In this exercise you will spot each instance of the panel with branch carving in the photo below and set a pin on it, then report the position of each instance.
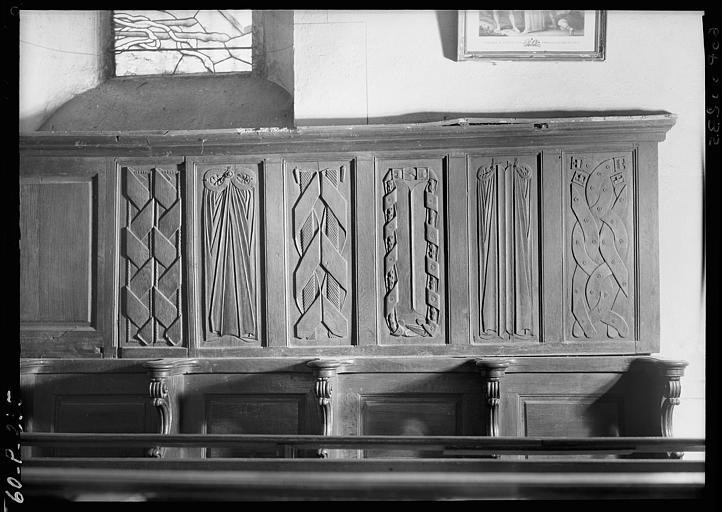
(503, 218)
(229, 248)
(411, 224)
(152, 262)
(318, 240)
(600, 265)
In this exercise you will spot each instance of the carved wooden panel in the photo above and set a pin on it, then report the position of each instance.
(253, 414)
(152, 259)
(411, 261)
(504, 216)
(319, 238)
(229, 232)
(600, 262)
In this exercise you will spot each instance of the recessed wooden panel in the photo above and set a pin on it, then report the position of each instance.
(504, 217)
(228, 229)
(252, 414)
(600, 266)
(67, 255)
(57, 251)
(319, 237)
(409, 415)
(102, 414)
(571, 416)
(411, 245)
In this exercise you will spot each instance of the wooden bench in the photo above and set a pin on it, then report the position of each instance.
(457, 474)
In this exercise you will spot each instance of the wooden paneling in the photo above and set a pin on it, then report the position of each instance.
(382, 241)
(600, 236)
(408, 404)
(551, 404)
(56, 262)
(647, 245)
(253, 414)
(504, 220)
(102, 414)
(457, 227)
(409, 415)
(365, 280)
(66, 256)
(227, 232)
(102, 402)
(265, 403)
(319, 234)
(571, 416)
(152, 264)
(411, 246)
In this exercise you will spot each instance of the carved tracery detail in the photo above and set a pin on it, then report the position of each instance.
(412, 303)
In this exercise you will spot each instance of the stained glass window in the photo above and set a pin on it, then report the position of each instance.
(179, 42)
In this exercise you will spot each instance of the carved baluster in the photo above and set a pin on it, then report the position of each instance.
(325, 372)
(492, 371)
(672, 371)
(162, 373)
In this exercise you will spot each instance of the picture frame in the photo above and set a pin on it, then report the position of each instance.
(531, 35)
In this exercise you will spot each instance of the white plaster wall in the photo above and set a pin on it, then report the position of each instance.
(60, 57)
(360, 66)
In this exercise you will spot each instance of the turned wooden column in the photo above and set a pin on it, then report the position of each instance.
(326, 372)
(492, 372)
(672, 372)
(163, 388)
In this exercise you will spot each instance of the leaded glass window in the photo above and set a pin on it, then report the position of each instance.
(182, 41)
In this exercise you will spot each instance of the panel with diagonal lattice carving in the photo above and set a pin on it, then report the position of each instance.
(151, 262)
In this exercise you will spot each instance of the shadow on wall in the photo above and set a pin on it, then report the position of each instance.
(448, 31)
(640, 390)
(176, 103)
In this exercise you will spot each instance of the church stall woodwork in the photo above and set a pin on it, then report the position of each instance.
(473, 277)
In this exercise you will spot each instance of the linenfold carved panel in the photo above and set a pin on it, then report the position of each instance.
(152, 260)
(412, 250)
(600, 248)
(319, 251)
(504, 219)
(229, 233)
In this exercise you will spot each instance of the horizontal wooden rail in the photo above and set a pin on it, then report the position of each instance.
(378, 465)
(229, 485)
(497, 445)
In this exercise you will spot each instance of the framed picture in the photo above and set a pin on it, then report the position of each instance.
(531, 35)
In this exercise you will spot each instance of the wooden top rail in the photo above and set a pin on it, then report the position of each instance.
(497, 445)
(370, 465)
(235, 485)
